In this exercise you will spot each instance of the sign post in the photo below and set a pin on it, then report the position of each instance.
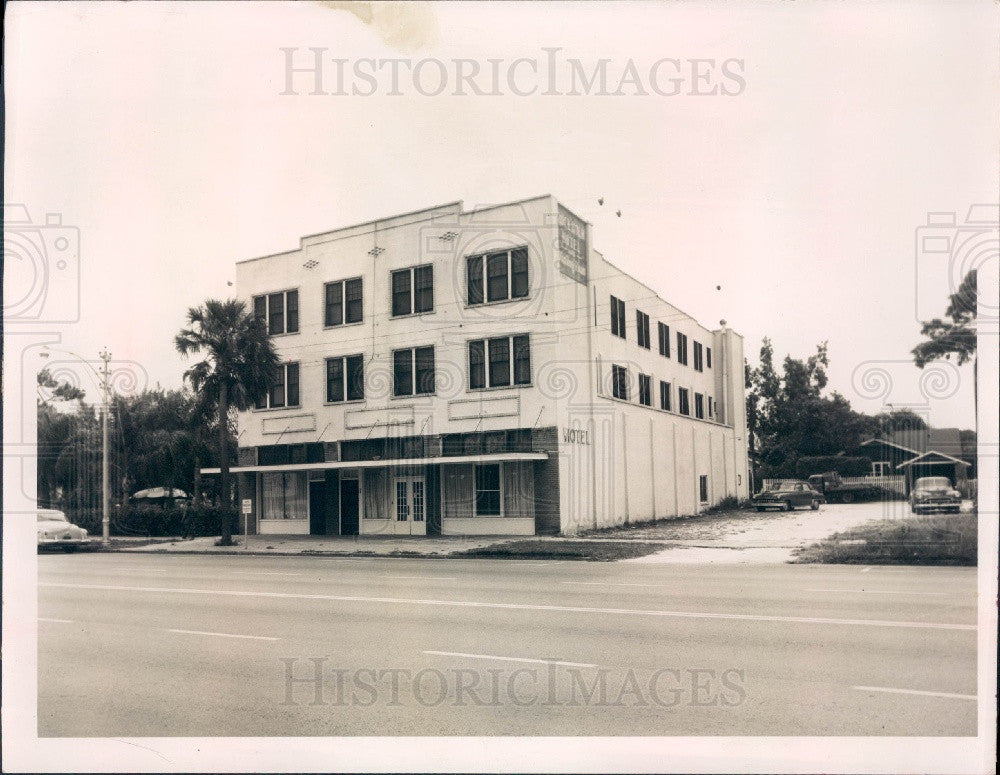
(247, 510)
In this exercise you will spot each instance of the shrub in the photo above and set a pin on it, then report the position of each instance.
(155, 521)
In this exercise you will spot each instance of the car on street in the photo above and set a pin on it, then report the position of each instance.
(934, 493)
(56, 531)
(787, 494)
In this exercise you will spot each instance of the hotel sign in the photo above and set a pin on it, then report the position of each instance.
(572, 246)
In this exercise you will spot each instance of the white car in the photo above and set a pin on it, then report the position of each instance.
(57, 531)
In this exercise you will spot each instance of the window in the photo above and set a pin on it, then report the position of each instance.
(665, 395)
(703, 488)
(413, 290)
(682, 401)
(278, 311)
(708, 357)
(488, 490)
(504, 275)
(284, 496)
(879, 467)
(642, 328)
(619, 382)
(342, 302)
(699, 406)
(284, 390)
(617, 317)
(699, 360)
(499, 362)
(664, 333)
(345, 378)
(645, 390)
(682, 348)
(710, 407)
(413, 371)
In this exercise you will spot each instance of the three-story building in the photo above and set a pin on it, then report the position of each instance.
(481, 372)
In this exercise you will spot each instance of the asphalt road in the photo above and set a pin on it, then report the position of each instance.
(206, 646)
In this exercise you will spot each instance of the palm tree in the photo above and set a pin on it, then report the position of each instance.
(240, 365)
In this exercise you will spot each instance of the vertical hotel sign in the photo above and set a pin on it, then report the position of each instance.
(572, 246)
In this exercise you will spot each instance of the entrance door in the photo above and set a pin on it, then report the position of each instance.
(410, 506)
(317, 508)
(349, 506)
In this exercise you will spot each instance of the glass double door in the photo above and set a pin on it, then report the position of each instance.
(409, 506)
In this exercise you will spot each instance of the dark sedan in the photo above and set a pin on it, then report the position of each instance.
(787, 494)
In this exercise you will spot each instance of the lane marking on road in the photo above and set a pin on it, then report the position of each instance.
(881, 591)
(223, 634)
(890, 690)
(57, 621)
(263, 573)
(614, 584)
(510, 659)
(423, 578)
(523, 606)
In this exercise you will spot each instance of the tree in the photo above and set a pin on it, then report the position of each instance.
(789, 417)
(239, 366)
(890, 422)
(956, 338)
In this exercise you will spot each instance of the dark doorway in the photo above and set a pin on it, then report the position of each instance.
(317, 508)
(349, 503)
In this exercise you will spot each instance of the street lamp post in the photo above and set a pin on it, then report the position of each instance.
(105, 513)
(105, 356)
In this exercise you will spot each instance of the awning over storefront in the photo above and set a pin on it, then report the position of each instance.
(502, 457)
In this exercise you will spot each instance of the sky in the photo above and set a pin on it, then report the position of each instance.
(789, 207)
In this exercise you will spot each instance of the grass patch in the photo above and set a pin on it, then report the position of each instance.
(938, 539)
(596, 551)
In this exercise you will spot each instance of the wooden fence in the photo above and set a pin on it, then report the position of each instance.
(895, 484)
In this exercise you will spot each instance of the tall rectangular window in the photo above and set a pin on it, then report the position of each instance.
(683, 402)
(642, 328)
(619, 382)
(665, 395)
(699, 362)
(703, 488)
(279, 311)
(682, 348)
(345, 378)
(699, 406)
(499, 362)
(284, 389)
(708, 357)
(413, 371)
(487, 490)
(664, 335)
(503, 275)
(477, 364)
(617, 317)
(711, 408)
(413, 290)
(645, 390)
(342, 302)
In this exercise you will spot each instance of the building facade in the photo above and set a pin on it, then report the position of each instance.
(481, 372)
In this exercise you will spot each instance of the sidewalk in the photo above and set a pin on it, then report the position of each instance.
(346, 546)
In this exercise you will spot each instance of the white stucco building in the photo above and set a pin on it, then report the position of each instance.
(481, 372)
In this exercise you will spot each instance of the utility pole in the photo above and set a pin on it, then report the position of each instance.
(105, 516)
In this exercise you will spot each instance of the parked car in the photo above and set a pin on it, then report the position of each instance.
(55, 530)
(836, 490)
(787, 494)
(934, 493)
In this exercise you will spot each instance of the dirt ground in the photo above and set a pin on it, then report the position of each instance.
(747, 536)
